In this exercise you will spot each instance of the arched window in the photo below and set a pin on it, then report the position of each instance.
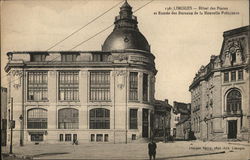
(68, 118)
(99, 118)
(37, 118)
(234, 101)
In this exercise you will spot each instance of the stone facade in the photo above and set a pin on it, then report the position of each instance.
(103, 99)
(220, 91)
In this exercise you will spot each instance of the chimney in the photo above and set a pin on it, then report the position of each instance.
(175, 103)
(166, 100)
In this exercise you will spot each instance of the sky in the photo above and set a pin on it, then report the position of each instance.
(180, 43)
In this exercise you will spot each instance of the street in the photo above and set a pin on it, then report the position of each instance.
(177, 150)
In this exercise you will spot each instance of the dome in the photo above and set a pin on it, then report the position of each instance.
(126, 34)
(125, 39)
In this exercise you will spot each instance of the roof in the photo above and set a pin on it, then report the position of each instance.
(236, 31)
(183, 108)
(126, 34)
(162, 105)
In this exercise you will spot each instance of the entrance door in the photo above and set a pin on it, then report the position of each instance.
(74, 137)
(232, 129)
(145, 123)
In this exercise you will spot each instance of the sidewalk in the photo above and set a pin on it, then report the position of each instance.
(177, 150)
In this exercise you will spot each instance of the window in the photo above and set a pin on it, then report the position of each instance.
(106, 138)
(68, 85)
(196, 124)
(37, 86)
(211, 126)
(100, 57)
(36, 137)
(145, 87)
(233, 101)
(67, 57)
(133, 119)
(4, 124)
(100, 86)
(226, 77)
(99, 118)
(240, 75)
(74, 137)
(92, 137)
(133, 86)
(199, 124)
(61, 137)
(37, 118)
(233, 76)
(67, 137)
(68, 118)
(233, 58)
(37, 57)
(99, 138)
(133, 136)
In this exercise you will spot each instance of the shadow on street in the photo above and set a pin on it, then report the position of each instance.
(191, 155)
(49, 154)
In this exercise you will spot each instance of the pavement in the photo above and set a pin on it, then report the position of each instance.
(186, 150)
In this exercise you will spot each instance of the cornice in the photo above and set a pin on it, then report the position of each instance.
(207, 75)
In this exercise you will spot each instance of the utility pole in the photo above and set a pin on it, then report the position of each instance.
(11, 126)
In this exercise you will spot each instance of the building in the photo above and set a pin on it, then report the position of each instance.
(3, 116)
(220, 91)
(182, 109)
(162, 119)
(182, 115)
(88, 96)
(175, 118)
(183, 129)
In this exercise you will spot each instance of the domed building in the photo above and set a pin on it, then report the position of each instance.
(126, 35)
(88, 96)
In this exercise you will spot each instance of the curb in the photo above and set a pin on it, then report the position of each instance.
(17, 156)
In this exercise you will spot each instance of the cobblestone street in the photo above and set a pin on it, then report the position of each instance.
(177, 150)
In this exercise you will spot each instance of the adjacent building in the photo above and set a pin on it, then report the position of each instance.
(175, 118)
(183, 129)
(162, 119)
(3, 116)
(182, 115)
(89, 96)
(220, 107)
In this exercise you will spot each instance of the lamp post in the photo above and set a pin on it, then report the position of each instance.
(21, 120)
(11, 125)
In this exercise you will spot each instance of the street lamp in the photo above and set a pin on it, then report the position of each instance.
(11, 126)
(21, 119)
